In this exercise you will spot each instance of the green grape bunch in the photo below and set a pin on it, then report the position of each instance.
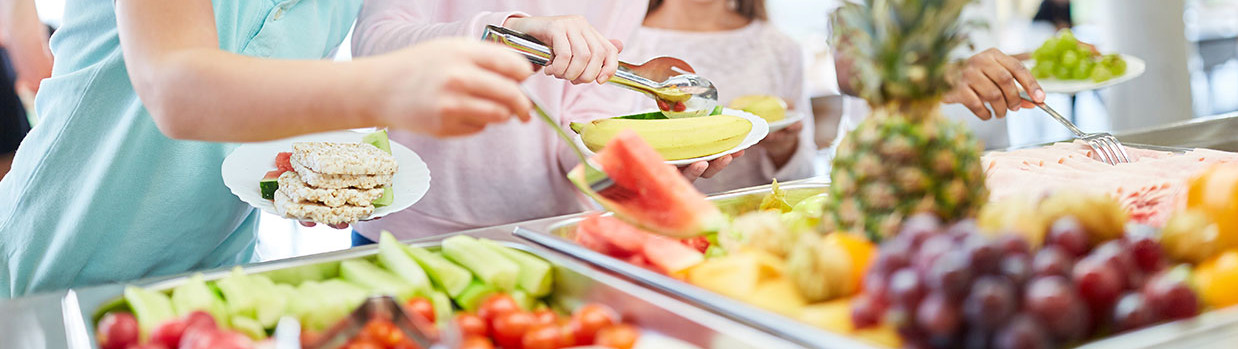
(1063, 57)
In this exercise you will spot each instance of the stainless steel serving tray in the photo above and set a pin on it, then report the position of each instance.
(1214, 329)
(575, 284)
(1218, 132)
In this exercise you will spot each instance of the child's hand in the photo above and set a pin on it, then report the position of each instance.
(448, 87)
(994, 77)
(707, 169)
(582, 54)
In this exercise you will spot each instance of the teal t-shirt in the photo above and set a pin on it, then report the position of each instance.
(97, 194)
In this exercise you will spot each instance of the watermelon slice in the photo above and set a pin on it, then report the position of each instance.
(661, 200)
(616, 238)
(283, 162)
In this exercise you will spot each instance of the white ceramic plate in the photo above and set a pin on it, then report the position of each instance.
(791, 118)
(249, 162)
(1134, 68)
(759, 130)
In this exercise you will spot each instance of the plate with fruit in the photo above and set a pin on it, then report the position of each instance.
(771, 108)
(681, 141)
(1064, 65)
(332, 178)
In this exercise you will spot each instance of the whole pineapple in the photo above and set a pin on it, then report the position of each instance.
(905, 158)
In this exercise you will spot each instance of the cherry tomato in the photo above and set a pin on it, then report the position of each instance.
(117, 330)
(383, 332)
(361, 343)
(590, 319)
(496, 306)
(679, 106)
(475, 342)
(508, 330)
(471, 325)
(570, 332)
(621, 336)
(545, 317)
(543, 337)
(421, 306)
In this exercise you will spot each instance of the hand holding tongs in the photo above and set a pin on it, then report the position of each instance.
(669, 81)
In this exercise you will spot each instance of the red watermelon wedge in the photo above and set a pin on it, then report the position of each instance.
(661, 201)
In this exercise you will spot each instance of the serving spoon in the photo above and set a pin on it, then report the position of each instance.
(671, 82)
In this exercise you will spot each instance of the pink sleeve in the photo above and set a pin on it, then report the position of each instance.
(388, 25)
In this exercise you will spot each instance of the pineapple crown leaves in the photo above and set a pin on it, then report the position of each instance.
(900, 50)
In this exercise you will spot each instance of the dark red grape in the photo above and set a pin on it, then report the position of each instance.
(1067, 234)
(950, 274)
(977, 339)
(1013, 244)
(919, 227)
(906, 289)
(1023, 332)
(1053, 301)
(963, 229)
(930, 250)
(938, 316)
(866, 310)
(893, 255)
(1117, 252)
(984, 254)
(1098, 282)
(1133, 312)
(1170, 296)
(1147, 253)
(992, 301)
(1017, 268)
(876, 283)
(1050, 261)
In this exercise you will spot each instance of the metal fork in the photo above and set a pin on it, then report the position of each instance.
(1105, 145)
(597, 180)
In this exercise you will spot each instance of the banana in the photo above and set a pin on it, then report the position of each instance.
(674, 139)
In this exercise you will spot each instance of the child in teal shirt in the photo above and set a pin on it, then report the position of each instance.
(120, 180)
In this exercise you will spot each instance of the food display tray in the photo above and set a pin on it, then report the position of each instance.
(66, 319)
(1218, 132)
(1212, 329)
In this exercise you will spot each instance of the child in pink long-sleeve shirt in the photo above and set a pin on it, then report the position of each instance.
(509, 172)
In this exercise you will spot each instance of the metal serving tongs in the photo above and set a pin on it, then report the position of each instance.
(669, 81)
(598, 181)
(1105, 145)
(421, 331)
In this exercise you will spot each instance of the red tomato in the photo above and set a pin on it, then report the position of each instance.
(509, 329)
(475, 342)
(543, 337)
(545, 317)
(621, 336)
(200, 319)
(421, 306)
(361, 343)
(117, 330)
(570, 333)
(168, 334)
(471, 325)
(496, 306)
(590, 319)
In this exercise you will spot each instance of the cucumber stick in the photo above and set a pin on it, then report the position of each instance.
(473, 295)
(322, 304)
(450, 277)
(393, 257)
(535, 276)
(271, 301)
(241, 300)
(151, 308)
(249, 327)
(490, 268)
(443, 310)
(196, 295)
(524, 300)
(375, 279)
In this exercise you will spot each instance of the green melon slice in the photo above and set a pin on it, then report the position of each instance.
(660, 199)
